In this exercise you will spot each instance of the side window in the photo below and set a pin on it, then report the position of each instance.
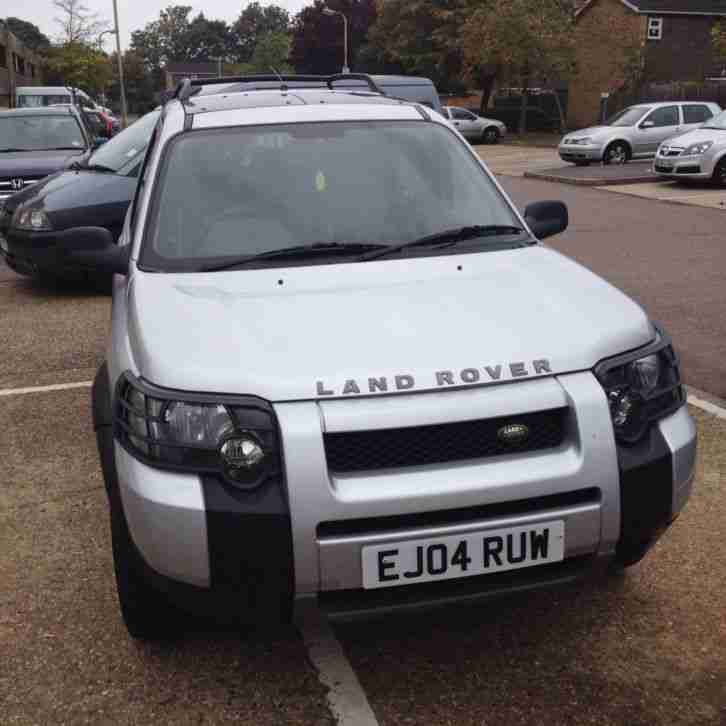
(665, 116)
(693, 114)
(470, 116)
(459, 114)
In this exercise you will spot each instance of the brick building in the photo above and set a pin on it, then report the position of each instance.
(659, 40)
(19, 66)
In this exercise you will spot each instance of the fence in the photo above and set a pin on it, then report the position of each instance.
(714, 92)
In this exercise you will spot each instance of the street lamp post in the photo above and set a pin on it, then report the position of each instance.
(330, 11)
(124, 113)
(100, 36)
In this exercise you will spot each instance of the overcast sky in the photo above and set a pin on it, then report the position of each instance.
(133, 14)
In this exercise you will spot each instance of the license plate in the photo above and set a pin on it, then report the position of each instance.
(465, 555)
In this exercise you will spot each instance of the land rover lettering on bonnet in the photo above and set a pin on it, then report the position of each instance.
(463, 377)
(313, 393)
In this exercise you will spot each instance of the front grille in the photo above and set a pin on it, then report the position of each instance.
(691, 169)
(12, 185)
(439, 443)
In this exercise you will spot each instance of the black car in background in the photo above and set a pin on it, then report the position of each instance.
(94, 192)
(35, 142)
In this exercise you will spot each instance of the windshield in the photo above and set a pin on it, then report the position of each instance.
(248, 190)
(628, 117)
(127, 146)
(717, 122)
(40, 100)
(35, 133)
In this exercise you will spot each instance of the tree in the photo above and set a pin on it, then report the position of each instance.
(207, 40)
(78, 64)
(78, 24)
(139, 85)
(317, 40)
(423, 38)
(523, 38)
(29, 34)
(254, 22)
(718, 39)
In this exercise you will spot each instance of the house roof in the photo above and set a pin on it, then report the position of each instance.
(669, 7)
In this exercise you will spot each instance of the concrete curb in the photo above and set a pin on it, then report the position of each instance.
(682, 202)
(589, 181)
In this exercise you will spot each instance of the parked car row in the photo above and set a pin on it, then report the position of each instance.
(635, 132)
(85, 187)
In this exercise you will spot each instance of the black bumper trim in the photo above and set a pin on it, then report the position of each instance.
(646, 494)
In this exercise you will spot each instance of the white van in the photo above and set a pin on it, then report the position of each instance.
(39, 96)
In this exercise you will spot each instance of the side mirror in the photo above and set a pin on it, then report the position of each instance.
(94, 248)
(647, 124)
(546, 218)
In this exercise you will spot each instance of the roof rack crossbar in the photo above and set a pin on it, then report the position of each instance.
(188, 87)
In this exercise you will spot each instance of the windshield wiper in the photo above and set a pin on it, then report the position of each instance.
(63, 148)
(447, 238)
(97, 167)
(11, 148)
(298, 251)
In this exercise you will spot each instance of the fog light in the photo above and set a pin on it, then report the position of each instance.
(243, 458)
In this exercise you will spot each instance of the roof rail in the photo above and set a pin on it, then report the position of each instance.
(187, 87)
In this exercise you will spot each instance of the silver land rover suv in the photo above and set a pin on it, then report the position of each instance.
(342, 368)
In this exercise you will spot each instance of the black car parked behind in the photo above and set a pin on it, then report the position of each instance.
(95, 192)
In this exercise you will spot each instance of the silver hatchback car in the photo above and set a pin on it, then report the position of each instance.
(635, 132)
(473, 127)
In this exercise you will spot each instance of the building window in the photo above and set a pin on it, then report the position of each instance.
(655, 28)
(3, 57)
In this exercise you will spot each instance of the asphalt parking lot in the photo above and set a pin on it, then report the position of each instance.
(644, 648)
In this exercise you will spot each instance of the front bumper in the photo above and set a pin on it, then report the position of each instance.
(32, 253)
(699, 167)
(577, 152)
(229, 550)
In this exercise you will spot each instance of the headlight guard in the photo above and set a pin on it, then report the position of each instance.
(642, 387)
(235, 437)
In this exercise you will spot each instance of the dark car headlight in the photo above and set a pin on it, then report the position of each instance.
(31, 219)
(641, 387)
(235, 437)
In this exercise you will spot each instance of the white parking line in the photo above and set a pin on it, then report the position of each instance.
(346, 697)
(44, 389)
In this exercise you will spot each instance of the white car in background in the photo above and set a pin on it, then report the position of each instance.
(699, 154)
(473, 127)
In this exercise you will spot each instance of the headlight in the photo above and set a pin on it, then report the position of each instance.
(698, 148)
(232, 436)
(641, 387)
(581, 142)
(35, 220)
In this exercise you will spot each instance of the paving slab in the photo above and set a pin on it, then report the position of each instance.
(597, 174)
(517, 160)
(642, 648)
(675, 193)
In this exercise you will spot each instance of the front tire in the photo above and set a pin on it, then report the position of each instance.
(145, 612)
(490, 135)
(616, 153)
(719, 173)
